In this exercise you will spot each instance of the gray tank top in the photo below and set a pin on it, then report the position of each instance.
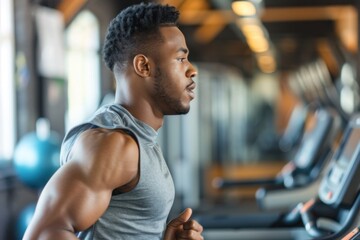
(142, 212)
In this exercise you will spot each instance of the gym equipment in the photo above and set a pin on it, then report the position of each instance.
(313, 83)
(294, 129)
(36, 156)
(353, 235)
(348, 88)
(24, 219)
(330, 89)
(310, 159)
(308, 84)
(330, 215)
(316, 81)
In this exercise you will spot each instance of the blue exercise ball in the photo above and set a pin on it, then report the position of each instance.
(36, 159)
(24, 219)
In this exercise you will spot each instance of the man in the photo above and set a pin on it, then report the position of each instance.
(114, 182)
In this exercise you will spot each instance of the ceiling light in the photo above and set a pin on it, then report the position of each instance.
(252, 30)
(258, 44)
(244, 8)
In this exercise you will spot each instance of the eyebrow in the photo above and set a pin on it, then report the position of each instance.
(184, 50)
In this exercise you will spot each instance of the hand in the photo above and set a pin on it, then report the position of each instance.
(183, 227)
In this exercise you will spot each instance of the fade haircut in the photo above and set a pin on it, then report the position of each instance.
(134, 30)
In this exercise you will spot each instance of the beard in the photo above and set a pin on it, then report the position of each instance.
(172, 105)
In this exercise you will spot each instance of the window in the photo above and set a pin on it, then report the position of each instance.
(83, 68)
(7, 82)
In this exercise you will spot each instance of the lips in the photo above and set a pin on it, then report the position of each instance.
(190, 89)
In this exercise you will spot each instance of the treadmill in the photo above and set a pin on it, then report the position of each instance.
(330, 215)
(353, 235)
(300, 178)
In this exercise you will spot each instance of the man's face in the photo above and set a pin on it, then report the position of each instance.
(173, 84)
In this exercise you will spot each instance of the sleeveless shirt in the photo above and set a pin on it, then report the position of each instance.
(142, 212)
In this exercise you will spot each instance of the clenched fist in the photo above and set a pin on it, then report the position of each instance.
(183, 227)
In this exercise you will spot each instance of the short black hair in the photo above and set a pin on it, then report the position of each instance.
(133, 29)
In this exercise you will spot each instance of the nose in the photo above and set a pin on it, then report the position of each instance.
(191, 72)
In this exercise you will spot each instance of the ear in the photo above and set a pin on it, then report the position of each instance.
(141, 65)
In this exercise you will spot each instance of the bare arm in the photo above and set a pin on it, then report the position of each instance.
(80, 191)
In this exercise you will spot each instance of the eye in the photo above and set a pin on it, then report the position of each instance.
(181, 59)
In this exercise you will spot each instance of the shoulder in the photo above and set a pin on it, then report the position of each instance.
(108, 156)
(106, 139)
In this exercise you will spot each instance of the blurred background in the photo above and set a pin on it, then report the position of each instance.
(258, 61)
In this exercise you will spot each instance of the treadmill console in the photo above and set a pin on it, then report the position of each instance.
(341, 183)
(313, 140)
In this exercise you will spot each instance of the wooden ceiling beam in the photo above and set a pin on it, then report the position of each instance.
(210, 28)
(213, 21)
(70, 8)
(195, 17)
(305, 13)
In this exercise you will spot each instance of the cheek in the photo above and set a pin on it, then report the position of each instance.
(175, 79)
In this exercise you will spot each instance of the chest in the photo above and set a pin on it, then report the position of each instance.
(154, 193)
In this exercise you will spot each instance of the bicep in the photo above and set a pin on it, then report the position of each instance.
(69, 201)
(80, 191)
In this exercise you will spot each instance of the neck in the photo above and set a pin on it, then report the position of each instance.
(133, 98)
(144, 113)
